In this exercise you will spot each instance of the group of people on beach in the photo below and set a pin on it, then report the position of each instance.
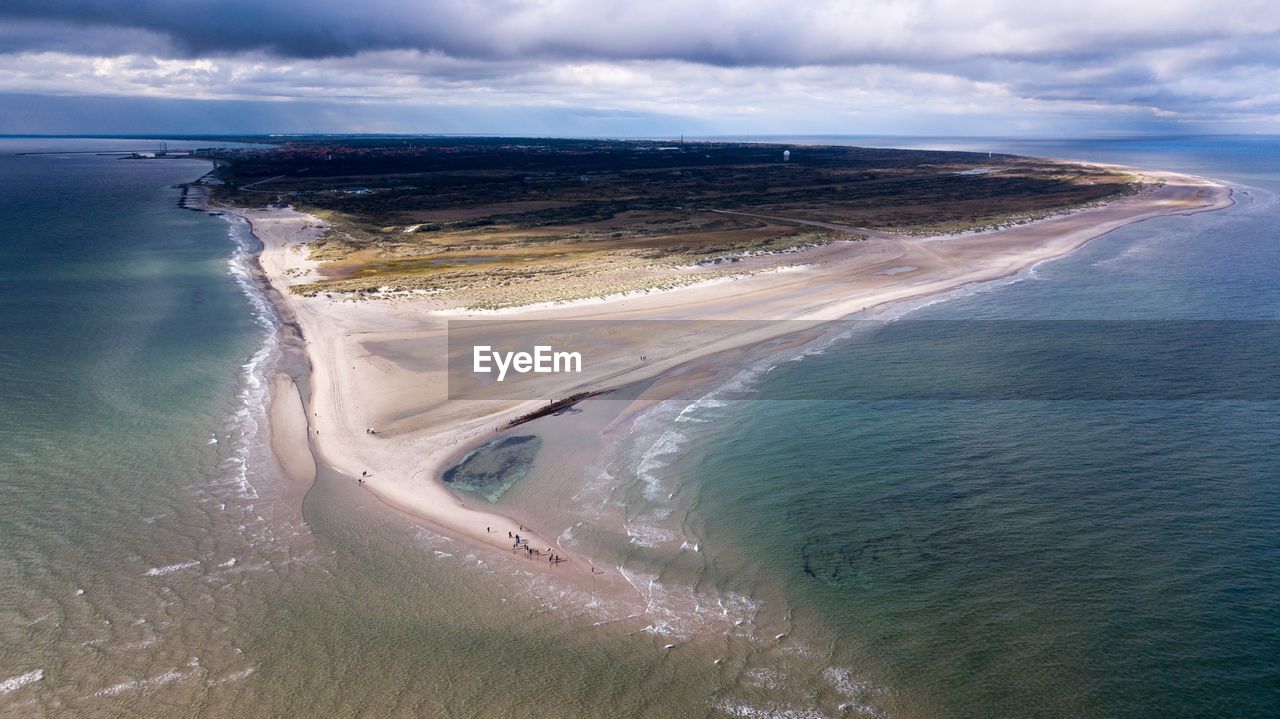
(519, 542)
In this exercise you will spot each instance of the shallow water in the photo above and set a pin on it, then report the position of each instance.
(491, 469)
(132, 348)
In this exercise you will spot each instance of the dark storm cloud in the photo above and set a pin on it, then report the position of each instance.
(28, 35)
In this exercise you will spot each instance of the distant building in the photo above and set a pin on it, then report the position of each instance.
(786, 156)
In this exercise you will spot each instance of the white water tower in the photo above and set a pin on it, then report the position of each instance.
(786, 156)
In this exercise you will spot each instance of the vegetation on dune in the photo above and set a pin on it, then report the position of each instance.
(513, 221)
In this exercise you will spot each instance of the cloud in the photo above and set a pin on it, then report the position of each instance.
(757, 62)
(719, 32)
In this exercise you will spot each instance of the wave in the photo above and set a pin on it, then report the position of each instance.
(234, 677)
(13, 684)
(649, 536)
(242, 427)
(747, 711)
(162, 571)
(142, 684)
(679, 611)
(655, 458)
(855, 695)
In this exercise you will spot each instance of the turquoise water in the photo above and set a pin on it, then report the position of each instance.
(1033, 558)
(491, 469)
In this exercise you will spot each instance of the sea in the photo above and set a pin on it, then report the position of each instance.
(1012, 554)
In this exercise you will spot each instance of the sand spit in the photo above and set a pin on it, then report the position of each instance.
(379, 410)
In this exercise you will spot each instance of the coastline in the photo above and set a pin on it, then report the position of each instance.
(420, 432)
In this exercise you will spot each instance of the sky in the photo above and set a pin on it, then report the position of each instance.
(639, 67)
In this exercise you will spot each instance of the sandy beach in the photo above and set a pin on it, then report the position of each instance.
(379, 408)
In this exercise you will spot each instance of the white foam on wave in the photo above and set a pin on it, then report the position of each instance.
(661, 434)
(162, 571)
(566, 537)
(762, 678)
(234, 677)
(649, 536)
(678, 611)
(648, 524)
(856, 691)
(668, 424)
(13, 684)
(245, 421)
(693, 412)
(645, 525)
(747, 711)
(148, 684)
(595, 493)
(655, 458)
(140, 645)
(647, 585)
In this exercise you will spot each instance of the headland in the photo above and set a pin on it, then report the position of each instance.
(851, 235)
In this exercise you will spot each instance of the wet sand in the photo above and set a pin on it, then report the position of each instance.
(288, 419)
